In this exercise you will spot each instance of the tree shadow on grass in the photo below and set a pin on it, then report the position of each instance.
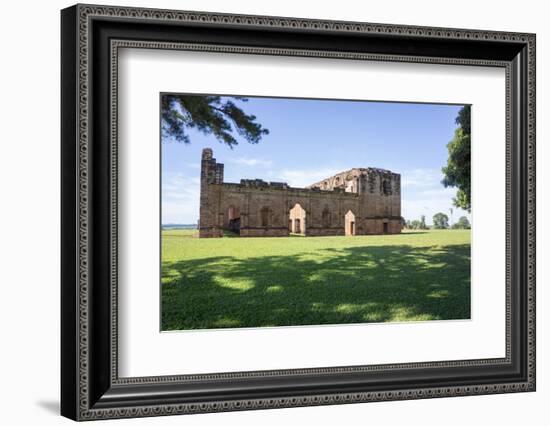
(335, 286)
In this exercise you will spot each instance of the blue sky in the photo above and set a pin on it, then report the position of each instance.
(313, 139)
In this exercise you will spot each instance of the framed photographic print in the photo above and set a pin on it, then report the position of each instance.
(263, 212)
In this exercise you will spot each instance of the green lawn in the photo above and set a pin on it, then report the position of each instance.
(254, 282)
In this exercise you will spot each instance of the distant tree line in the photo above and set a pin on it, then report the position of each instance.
(440, 221)
(416, 224)
(463, 223)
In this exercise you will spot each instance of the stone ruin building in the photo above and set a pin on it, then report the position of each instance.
(359, 201)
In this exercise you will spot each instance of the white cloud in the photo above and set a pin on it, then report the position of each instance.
(424, 194)
(421, 178)
(251, 162)
(430, 202)
(302, 177)
(180, 198)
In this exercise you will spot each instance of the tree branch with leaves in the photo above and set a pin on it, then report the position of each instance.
(457, 172)
(215, 115)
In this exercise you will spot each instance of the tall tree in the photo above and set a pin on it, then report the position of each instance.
(441, 221)
(216, 115)
(457, 171)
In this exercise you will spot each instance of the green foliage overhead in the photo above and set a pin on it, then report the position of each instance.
(214, 115)
(441, 221)
(457, 171)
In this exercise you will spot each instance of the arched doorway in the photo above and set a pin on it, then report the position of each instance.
(297, 220)
(233, 219)
(349, 223)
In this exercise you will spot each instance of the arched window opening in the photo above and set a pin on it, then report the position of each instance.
(264, 216)
(386, 186)
(325, 217)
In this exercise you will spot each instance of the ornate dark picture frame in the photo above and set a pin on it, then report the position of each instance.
(91, 37)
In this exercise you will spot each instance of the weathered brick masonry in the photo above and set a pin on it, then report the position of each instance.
(359, 201)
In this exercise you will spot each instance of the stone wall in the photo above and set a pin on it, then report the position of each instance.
(265, 209)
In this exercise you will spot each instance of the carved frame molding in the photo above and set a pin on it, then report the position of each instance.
(110, 398)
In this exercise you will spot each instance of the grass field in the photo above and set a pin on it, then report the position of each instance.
(254, 282)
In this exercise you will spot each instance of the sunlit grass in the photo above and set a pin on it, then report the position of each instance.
(253, 282)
